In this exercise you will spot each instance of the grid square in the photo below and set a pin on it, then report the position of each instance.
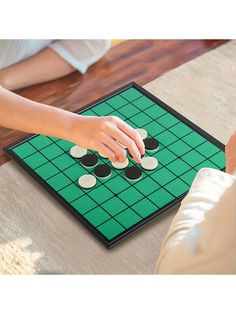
(128, 110)
(194, 139)
(177, 187)
(130, 123)
(131, 94)
(207, 149)
(116, 101)
(179, 148)
(189, 176)
(24, 150)
(193, 158)
(40, 141)
(58, 181)
(35, 160)
(52, 151)
(206, 164)
(46, 171)
(117, 184)
(100, 194)
(71, 192)
(178, 167)
(168, 120)
(155, 111)
(97, 216)
(65, 145)
(167, 138)
(130, 196)
(180, 129)
(111, 228)
(165, 156)
(146, 186)
(54, 139)
(141, 119)
(161, 197)
(163, 176)
(75, 172)
(84, 204)
(102, 109)
(128, 218)
(88, 113)
(219, 159)
(143, 103)
(63, 161)
(119, 115)
(154, 128)
(145, 208)
(114, 206)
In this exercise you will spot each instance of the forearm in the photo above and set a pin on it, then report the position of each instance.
(44, 66)
(25, 115)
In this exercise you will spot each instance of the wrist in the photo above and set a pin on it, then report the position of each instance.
(72, 127)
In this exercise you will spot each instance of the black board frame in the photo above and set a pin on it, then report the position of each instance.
(110, 243)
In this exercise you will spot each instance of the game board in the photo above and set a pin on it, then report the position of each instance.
(116, 207)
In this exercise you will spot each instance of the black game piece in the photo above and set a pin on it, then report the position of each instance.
(89, 160)
(151, 144)
(102, 171)
(133, 173)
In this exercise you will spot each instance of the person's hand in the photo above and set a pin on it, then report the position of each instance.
(103, 134)
(230, 150)
(96, 133)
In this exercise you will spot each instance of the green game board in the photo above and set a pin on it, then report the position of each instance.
(115, 207)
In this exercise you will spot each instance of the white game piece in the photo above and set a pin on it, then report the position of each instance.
(87, 181)
(143, 133)
(149, 163)
(78, 152)
(120, 165)
(103, 156)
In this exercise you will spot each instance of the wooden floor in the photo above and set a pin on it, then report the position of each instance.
(134, 60)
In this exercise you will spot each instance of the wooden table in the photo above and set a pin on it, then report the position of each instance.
(38, 235)
(73, 91)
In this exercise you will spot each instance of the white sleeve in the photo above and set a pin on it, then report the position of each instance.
(80, 53)
(202, 236)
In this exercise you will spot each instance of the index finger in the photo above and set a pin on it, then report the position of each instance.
(128, 130)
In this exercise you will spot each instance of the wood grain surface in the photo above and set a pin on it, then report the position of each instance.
(38, 235)
(133, 60)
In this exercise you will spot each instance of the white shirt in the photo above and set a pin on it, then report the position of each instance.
(202, 236)
(79, 53)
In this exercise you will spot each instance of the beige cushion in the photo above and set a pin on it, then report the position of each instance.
(202, 236)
